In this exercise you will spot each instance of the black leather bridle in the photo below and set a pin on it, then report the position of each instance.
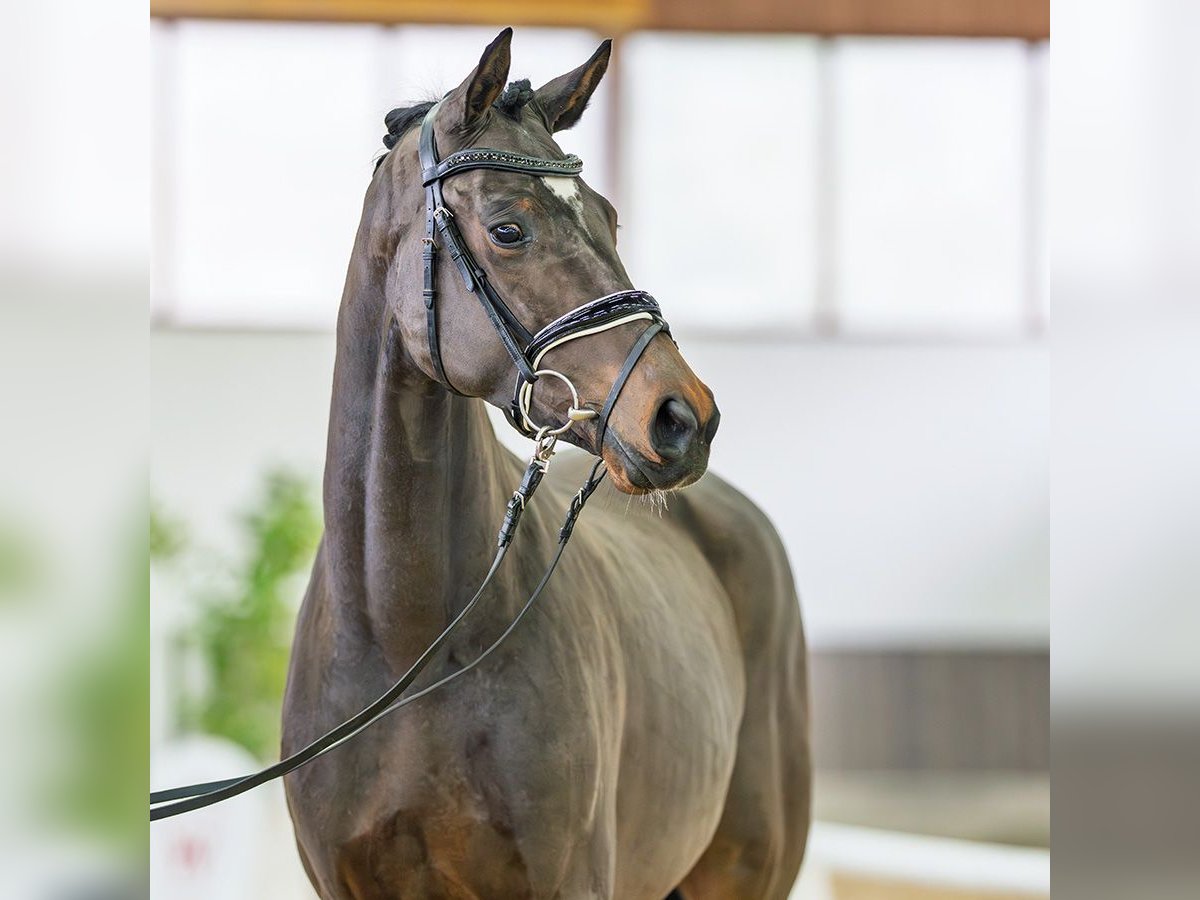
(526, 351)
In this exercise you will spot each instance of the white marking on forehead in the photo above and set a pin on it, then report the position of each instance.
(566, 189)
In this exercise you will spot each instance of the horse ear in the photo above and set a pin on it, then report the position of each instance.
(471, 100)
(564, 99)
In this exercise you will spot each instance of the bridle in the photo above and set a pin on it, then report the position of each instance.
(527, 351)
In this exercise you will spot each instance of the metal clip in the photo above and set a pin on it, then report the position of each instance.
(544, 442)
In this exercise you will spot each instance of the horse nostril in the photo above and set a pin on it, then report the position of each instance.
(710, 430)
(675, 428)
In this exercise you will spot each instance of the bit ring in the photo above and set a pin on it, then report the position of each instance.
(575, 414)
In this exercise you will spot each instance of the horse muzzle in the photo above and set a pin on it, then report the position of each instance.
(672, 454)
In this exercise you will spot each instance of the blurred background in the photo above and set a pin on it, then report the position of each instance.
(897, 159)
(916, 468)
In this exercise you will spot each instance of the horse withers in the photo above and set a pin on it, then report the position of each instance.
(646, 729)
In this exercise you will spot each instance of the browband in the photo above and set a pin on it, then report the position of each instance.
(502, 161)
(526, 349)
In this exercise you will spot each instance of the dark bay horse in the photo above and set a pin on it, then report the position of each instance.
(646, 729)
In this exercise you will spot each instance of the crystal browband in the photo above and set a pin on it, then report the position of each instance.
(570, 166)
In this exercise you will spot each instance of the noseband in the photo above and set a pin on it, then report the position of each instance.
(526, 349)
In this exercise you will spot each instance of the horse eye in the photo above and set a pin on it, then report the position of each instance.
(507, 233)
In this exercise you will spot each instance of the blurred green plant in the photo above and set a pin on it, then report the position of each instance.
(167, 537)
(102, 699)
(20, 564)
(242, 635)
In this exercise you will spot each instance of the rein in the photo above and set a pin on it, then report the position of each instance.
(176, 801)
(527, 351)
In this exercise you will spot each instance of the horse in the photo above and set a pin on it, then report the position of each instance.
(644, 733)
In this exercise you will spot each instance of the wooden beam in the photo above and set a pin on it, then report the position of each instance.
(613, 16)
(1027, 19)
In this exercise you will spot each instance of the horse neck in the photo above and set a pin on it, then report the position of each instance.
(413, 488)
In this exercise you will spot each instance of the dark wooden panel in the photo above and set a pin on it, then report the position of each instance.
(1029, 19)
(926, 710)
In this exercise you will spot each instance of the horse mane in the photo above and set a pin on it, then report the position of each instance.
(401, 119)
(510, 103)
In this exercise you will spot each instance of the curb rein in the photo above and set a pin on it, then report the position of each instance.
(527, 351)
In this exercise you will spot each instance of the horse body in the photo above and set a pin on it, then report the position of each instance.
(592, 757)
(644, 728)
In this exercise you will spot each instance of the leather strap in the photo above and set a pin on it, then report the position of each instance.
(597, 312)
(502, 161)
(511, 332)
(631, 361)
(433, 200)
(437, 216)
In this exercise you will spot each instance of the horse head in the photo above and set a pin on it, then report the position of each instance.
(548, 245)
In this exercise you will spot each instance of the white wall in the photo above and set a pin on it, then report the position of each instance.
(868, 186)
(909, 482)
(264, 141)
